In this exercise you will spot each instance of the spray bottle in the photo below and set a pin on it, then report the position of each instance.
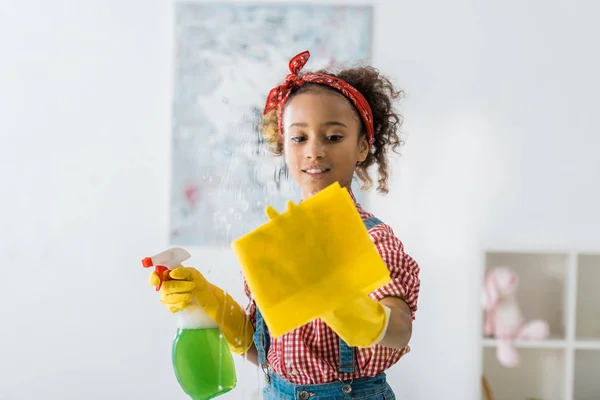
(202, 361)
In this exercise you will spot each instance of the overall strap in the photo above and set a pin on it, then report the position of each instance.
(371, 222)
(261, 337)
(346, 362)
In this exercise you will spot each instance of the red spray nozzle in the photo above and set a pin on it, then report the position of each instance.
(147, 262)
(162, 262)
(161, 271)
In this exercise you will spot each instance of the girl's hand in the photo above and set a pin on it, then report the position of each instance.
(187, 284)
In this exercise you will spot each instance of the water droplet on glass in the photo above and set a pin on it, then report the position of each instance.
(220, 387)
(245, 205)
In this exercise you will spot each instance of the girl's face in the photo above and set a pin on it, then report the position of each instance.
(321, 146)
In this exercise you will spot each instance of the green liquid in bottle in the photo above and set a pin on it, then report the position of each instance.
(203, 363)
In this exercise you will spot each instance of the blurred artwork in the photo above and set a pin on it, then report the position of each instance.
(227, 58)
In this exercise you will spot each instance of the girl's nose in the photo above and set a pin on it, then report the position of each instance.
(314, 150)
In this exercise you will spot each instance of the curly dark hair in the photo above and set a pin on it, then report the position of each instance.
(380, 93)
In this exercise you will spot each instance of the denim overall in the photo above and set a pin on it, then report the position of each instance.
(367, 388)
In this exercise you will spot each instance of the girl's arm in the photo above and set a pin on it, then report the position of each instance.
(252, 355)
(399, 330)
(400, 295)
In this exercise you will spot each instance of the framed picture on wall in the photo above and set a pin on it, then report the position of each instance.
(227, 58)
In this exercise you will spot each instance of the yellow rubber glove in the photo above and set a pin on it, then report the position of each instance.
(362, 323)
(271, 212)
(187, 284)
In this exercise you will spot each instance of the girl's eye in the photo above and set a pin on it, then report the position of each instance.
(334, 138)
(298, 139)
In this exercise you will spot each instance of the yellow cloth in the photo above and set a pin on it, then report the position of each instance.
(310, 260)
(187, 284)
(361, 323)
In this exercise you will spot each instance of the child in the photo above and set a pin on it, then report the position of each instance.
(327, 128)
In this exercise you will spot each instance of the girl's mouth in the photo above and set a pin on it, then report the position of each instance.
(316, 172)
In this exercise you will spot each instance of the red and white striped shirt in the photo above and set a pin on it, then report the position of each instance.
(310, 354)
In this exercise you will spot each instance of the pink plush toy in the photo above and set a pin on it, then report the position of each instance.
(503, 318)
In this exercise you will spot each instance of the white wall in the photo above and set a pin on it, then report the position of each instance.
(501, 149)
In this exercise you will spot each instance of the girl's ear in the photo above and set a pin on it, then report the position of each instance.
(363, 148)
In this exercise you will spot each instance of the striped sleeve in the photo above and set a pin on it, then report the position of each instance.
(404, 270)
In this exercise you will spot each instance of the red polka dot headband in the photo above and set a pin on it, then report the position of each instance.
(279, 94)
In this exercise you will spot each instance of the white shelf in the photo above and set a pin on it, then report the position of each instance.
(539, 375)
(549, 344)
(541, 293)
(586, 385)
(563, 289)
(587, 345)
(588, 298)
(531, 344)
